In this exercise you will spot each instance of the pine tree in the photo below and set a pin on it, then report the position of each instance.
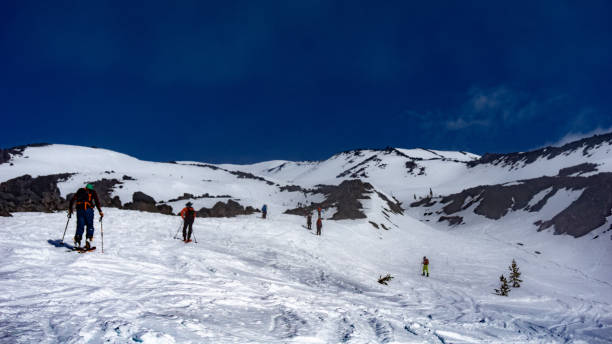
(504, 289)
(515, 275)
(430, 193)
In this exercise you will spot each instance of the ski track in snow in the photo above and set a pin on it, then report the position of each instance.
(249, 280)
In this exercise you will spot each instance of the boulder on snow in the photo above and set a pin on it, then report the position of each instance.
(142, 202)
(229, 209)
(452, 220)
(32, 194)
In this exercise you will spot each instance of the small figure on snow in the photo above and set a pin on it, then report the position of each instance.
(188, 214)
(264, 211)
(319, 226)
(319, 211)
(309, 221)
(85, 198)
(425, 266)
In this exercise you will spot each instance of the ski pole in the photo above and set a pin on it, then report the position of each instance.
(102, 233)
(194, 238)
(65, 228)
(177, 231)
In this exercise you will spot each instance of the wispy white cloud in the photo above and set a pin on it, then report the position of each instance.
(575, 136)
(497, 106)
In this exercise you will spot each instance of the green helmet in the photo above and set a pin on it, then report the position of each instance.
(89, 186)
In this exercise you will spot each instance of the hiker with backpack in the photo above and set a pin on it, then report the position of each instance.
(188, 214)
(309, 221)
(319, 226)
(425, 266)
(85, 199)
(264, 211)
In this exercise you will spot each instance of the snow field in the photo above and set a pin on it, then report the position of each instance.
(249, 280)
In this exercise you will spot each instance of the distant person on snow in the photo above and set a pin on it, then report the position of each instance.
(319, 226)
(264, 211)
(188, 214)
(309, 221)
(319, 211)
(85, 198)
(425, 266)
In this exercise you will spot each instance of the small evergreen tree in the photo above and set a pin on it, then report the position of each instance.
(430, 193)
(504, 289)
(384, 280)
(515, 275)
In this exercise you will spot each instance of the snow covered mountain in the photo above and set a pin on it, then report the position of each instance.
(255, 281)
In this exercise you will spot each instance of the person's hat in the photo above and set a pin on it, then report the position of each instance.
(89, 186)
(189, 204)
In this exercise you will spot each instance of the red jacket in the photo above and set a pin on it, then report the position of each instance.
(189, 213)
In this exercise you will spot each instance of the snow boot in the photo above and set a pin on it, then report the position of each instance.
(77, 241)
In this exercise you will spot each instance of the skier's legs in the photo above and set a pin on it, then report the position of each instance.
(425, 270)
(185, 230)
(190, 230)
(80, 225)
(89, 217)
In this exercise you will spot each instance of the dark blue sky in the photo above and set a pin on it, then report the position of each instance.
(245, 81)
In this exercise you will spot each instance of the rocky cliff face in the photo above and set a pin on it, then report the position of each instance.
(345, 198)
(32, 194)
(585, 214)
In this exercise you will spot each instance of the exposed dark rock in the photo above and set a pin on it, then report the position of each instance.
(452, 220)
(126, 177)
(32, 194)
(345, 198)
(104, 189)
(3, 211)
(427, 202)
(374, 224)
(411, 165)
(142, 202)
(585, 214)
(246, 175)
(229, 209)
(142, 198)
(578, 169)
(295, 188)
(395, 207)
(6, 154)
(359, 169)
(187, 196)
(164, 209)
(549, 152)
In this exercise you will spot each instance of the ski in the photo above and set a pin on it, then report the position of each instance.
(83, 250)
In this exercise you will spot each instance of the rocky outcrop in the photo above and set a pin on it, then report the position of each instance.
(345, 198)
(229, 209)
(32, 194)
(144, 202)
(104, 189)
(246, 175)
(7, 154)
(452, 220)
(187, 196)
(578, 169)
(585, 145)
(585, 214)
